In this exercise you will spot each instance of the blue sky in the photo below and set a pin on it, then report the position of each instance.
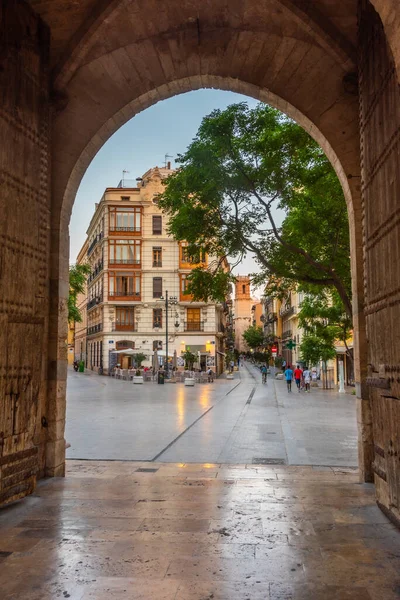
(165, 128)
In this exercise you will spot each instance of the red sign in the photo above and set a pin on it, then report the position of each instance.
(274, 349)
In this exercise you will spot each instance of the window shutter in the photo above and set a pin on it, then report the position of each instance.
(157, 225)
(157, 287)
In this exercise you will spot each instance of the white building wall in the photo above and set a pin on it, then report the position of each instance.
(145, 335)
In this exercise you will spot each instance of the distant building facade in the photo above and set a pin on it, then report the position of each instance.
(80, 333)
(134, 264)
(242, 318)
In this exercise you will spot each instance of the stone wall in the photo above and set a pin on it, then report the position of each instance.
(24, 247)
(380, 161)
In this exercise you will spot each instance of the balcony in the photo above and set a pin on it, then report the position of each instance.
(96, 271)
(125, 229)
(94, 243)
(271, 317)
(94, 301)
(157, 263)
(125, 261)
(194, 326)
(287, 311)
(95, 329)
(287, 334)
(124, 294)
(124, 327)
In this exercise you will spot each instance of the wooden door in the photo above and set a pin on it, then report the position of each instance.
(380, 185)
(24, 248)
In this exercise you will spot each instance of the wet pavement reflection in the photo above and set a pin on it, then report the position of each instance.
(197, 532)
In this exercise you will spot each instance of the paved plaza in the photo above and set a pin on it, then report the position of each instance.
(115, 530)
(231, 422)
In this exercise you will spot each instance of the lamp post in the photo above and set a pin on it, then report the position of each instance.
(169, 301)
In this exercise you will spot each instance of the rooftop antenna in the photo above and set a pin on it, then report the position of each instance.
(166, 157)
(123, 177)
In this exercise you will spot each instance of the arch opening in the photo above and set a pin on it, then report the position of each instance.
(262, 95)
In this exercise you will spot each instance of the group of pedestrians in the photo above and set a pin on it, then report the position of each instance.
(302, 378)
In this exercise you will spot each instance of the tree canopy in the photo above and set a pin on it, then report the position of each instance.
(324, 321)
(254, 336)
(77, 281)
(242, 165)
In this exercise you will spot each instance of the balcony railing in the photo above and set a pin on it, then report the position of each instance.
(287, 334)
(95, 272)
(124, 261)
(124, 327)
(194, 326)
(125, 294)
(157, 263)
(95, 329)
(271, 317)
(94, 243)
(134, 229)
(287, 311)
(94, 301)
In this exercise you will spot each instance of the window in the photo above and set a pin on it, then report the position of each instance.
(157, 256)
(243, 289)
(124, 284)
(196, 259)
(157, 345)
(125, 219)
(184, 285)
(193, 322)
(157, 225)
(157, 317)
(124, 345)
(157, 287)
(124, 252)
(125, 319)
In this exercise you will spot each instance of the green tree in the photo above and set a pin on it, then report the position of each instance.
(325, 321)
(77, 280)
(241, 166)
(139, 358)
(313, 348)
(189, 359)
(254, 336)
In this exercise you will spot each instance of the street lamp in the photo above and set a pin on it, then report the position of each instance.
(169, 301)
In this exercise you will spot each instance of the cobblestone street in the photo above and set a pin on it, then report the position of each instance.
(238, 422)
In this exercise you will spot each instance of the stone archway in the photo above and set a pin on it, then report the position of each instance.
(107, 60)
(316, 86)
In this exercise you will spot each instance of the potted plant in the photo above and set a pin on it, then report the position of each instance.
(138, 377)
(189, 359)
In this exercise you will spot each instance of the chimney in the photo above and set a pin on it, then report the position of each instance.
(169, 165)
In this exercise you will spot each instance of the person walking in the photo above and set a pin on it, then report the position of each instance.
(289, 377)
(210, 374)
(307, 379)
(298, 374)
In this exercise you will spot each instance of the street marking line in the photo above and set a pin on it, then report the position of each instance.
(234, 388)
(250, 398)
(180, 435)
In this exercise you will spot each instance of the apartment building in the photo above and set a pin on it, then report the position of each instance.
(135, 265)
(80, 328)
(272, 322)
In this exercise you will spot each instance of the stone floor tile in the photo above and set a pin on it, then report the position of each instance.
(282, 591)
(232, 569)
(128, 588)
(181, 525)
(223, 590)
